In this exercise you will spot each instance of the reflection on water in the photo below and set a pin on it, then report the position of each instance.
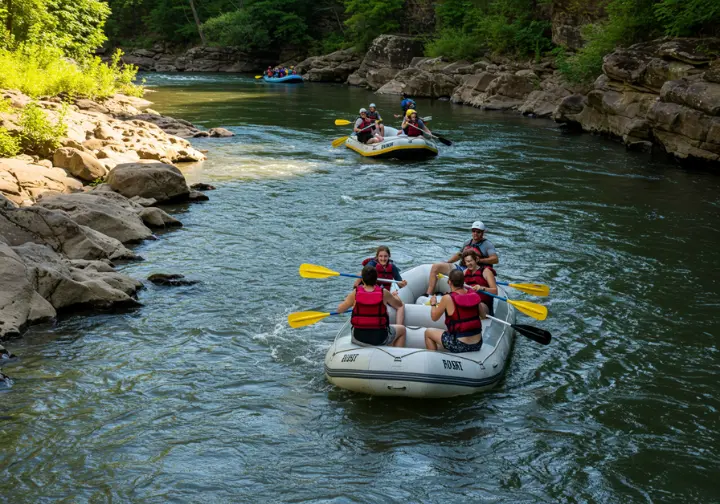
(206, 394)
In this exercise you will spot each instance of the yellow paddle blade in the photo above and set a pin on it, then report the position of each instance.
(315, 271)
(339, 141)
(258, 76)
(341, 122)
(532, 288)
(534, 310)
(305, 318)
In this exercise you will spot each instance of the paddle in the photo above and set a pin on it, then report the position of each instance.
(534, 333)
(306, 318)
(442, 140)
(258, 76)
(339, 141)
(314, 271)
(530, 288)
(534, 310)
(345, 122)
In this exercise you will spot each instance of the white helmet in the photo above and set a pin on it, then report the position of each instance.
(363, 111)
(478, 225)
(372, 105)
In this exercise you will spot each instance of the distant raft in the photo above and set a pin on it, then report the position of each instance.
(394, 146)
(288, 79)
(413, 371)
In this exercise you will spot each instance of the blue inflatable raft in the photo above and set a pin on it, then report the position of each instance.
(288, 79)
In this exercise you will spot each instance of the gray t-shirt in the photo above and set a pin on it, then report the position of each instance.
(486, 247)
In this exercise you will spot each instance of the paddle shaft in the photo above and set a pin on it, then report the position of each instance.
(381, 280)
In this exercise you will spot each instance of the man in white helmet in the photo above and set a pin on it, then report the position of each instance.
(483, 246)
(375, 116)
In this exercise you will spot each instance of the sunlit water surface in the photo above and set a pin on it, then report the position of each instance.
(206, 395)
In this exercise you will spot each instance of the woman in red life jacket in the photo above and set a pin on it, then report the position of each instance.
(480, 278)
(386, 271)
(412, 126)
(370, 322)
(365, 128)
(462, 309)
(269, 72)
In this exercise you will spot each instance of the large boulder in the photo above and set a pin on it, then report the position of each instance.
(20, 304)
(58, 231)
(83, 165)
(333, 67)
(472, 86)
(685, 132)
(102, 212)
(417, 82)
(700, 95)
(163, 182)
(391, 52)
(65, 286)
(22, 182)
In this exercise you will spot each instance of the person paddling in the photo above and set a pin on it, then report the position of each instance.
(463, 313)
(364, 127)
(406, 104)
(413, 126)
(480, 278)
(375, 116)
(484, 247)
(386, 270)
(369, 320)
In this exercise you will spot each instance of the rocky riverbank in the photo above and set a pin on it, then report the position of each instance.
(68, 214)
(663, 94)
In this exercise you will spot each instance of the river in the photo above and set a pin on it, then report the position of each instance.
(205, 394)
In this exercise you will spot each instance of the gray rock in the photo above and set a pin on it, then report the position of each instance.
(157, 218)
(170, 279)
(81, 164)
(57, 230)
(103, 212)
(64, 286)
(202, 186)
(220, 133)
(20, 305)
(164, 183)
(700, 95)
(197, 196)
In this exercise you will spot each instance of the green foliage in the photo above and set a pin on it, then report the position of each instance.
(43, 71)
(688, 17)
(331, 43)
(261, 25)
(39, 134)
(469, 29)
(370, 18)
(96, 182)
(9, 145)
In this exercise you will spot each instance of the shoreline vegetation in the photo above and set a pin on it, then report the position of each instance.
(85, 167)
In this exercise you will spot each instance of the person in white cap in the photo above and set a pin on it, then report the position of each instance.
(375, 116)
(483, 246)
(365, 127)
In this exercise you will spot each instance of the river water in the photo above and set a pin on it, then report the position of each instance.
(205, 394)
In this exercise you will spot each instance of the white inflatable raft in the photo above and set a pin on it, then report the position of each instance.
(396, 145)
(414, 371)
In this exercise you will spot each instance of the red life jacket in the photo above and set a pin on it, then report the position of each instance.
(414, 130)
(477, 278)
(369, 311)
(465, 320)
(384, 272)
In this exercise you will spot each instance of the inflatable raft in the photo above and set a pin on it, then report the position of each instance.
(288, 79)
(396, 146)
(413, 371)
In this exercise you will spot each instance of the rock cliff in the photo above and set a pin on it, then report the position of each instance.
(665, 92)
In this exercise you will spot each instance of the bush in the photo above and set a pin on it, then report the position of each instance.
(9, 145)
(43, 71)
(689, 17)
(370, 18)
(469, 30)
(39, 135)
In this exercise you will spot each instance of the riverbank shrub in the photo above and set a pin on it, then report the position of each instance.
(631, 21)
(468, 29)
(40, 135)
(44, 71)
(9, 145)
(370, 18)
